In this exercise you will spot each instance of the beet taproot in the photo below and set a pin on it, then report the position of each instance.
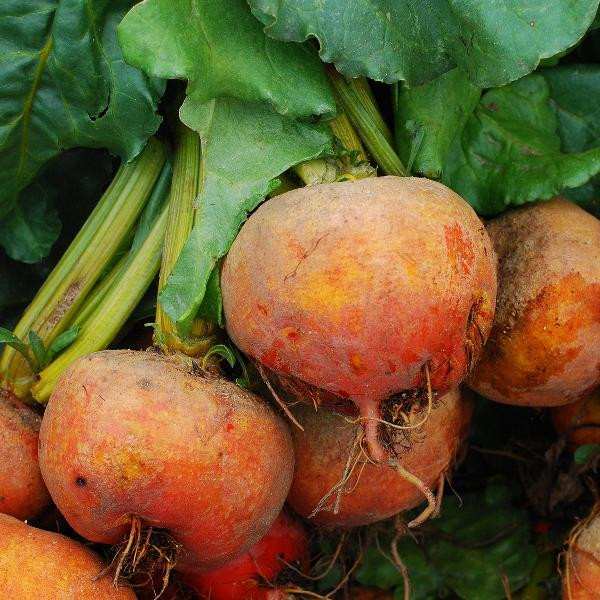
(363, 289)
(371, 492)
(253, 576)
(544, 347)
(49, 566)
(23, 493)
(138, 436)
(581, 578)
(579, 421)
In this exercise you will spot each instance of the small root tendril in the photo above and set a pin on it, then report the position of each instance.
(431, 501)
(146, 551)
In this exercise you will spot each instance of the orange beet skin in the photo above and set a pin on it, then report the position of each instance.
(355, 287)
(22, 491)
(48, 566)
(374, 492)
(137, 433)
(544, 348)
(253, 576)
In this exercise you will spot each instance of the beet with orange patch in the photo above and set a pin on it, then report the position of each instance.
(544, 347)
(140, 435)
(48, 566)
(23, 493)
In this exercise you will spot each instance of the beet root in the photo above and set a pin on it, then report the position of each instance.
(327, 448)
(139, 439)
(581, 579)
(545, 342)
(48, 566)
(23, 493)
(253, 575)
(579, 421)
(363, 289)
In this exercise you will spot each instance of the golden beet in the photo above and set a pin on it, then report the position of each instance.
(23, 493)
(48, 566)
(373, 492)
(361, 288)
(544, 349)
(137, 434)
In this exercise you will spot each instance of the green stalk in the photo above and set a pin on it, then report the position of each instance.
(96, 296)
(187, 180)
(86, 259)
(112, 312)
(153, 206)
(343, 131)
(368, 122)
(365, 96)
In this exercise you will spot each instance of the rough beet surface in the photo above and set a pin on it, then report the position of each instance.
(23, 493)
(48, 566)
(544, 347)
(358, 287)
(137, 433)
(373, 492)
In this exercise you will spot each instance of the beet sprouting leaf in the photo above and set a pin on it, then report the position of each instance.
(418, 40)
(584, 453)
(510, 151)
(63, 341)
(64, 84)
(10, 339)
(244, 147)
(428, 118)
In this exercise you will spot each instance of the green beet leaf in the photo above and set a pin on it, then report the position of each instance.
(64, 84)
(584, 453)
(418, 40)
(509, 152)
(483, 537)
(29, 231)
(587, 195)
(63, 341)
(244, 147)
(575, 95)
(222, 51)
(378, 571)
(464, 553)
(428, 118)
(575, 91)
